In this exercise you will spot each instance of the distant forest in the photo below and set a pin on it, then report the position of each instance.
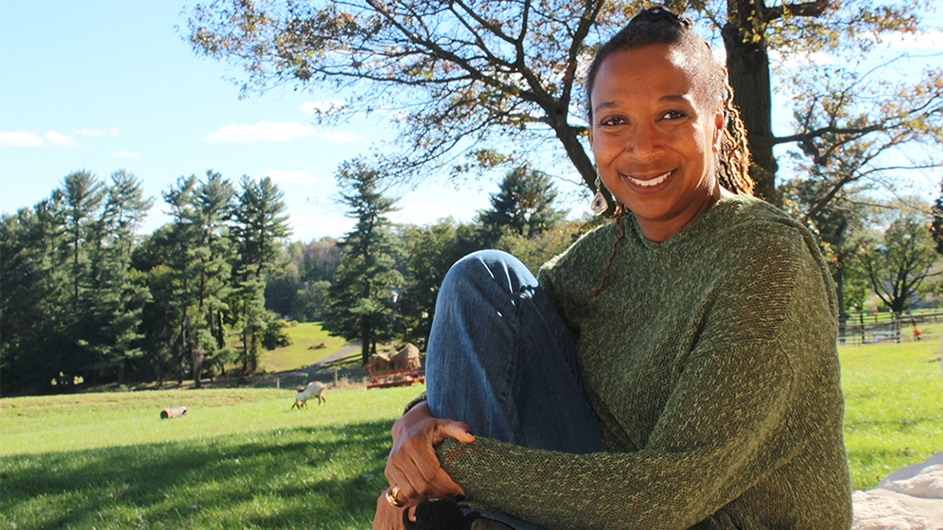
(88, 300)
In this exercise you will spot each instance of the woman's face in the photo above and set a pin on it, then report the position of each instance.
(654, 138)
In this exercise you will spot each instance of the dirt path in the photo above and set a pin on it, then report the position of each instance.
(339, 354)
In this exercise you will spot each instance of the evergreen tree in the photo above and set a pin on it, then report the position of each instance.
(259, 229)
(35, 304)
(116, 295)
(83, 194)
(360, 298)
(524, 205)
(200, 266)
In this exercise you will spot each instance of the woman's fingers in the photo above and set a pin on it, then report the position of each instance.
(415, 469)
(413, 466)
(387, 517)
(458, 430)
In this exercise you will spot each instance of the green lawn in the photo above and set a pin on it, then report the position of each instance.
(239, 459)
(304, 350)
(893, 405)
(242, 459)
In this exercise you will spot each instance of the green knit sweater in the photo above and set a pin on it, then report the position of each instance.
(711, 362)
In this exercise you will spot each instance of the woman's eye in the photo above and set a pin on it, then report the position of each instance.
(672, 115)
(612, 121)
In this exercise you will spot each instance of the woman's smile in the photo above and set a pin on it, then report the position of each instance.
(643, 182)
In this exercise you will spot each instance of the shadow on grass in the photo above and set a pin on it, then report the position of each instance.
(296, 478)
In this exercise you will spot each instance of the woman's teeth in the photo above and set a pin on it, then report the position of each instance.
(650, 183)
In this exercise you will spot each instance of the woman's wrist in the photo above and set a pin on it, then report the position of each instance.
(421, 398)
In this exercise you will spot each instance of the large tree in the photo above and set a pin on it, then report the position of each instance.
(35, 306)
(432, 249)
(901, 255)
(360, 298)
(112, 314)
(464, 76)
(259, 230)
(200, 263)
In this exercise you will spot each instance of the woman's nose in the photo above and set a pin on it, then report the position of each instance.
(642, 143)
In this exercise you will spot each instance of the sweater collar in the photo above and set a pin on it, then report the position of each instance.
(713, 219)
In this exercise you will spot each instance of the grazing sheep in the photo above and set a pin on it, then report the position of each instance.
(173, 412)
(314, 389)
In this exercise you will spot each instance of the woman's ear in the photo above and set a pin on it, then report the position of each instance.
(720, 120)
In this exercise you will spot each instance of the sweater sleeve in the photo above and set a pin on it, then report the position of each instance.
(742, 405)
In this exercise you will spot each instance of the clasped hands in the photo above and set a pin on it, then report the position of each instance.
(413, 470)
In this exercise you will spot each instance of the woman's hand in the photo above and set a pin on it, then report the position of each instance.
(413, 466)
(388, 517)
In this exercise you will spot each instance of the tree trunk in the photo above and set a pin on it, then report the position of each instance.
(840, 294)
(365, 345)
(581, 160)
(198, 366)
(748, 71)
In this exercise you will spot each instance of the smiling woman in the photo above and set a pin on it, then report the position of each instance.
(696, 386)
(653, 139)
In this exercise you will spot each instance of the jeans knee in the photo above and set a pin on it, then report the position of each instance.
(489, 265)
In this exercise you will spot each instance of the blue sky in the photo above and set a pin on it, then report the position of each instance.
(108, 85)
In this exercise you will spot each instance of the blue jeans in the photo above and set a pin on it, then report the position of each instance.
(502, 360)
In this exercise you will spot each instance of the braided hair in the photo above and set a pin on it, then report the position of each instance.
(658, 25)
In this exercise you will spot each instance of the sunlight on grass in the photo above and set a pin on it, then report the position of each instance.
(304, 349)
(893, 406)
(242, 459)
(239, 459)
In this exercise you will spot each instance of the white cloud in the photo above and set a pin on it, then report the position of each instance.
(126, 154)
(114, 131)
(266, 131)
(340, 138)
(315, 107)
(19, 139)
(292, 177)
(89, 132)
(58, 139)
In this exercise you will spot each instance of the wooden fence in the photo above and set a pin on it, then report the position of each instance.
(874, 327)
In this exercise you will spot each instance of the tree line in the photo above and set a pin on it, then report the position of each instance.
(84, 298)
(87, 298)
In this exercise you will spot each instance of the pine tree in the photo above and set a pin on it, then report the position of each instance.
(201, 267)
(116, 295)
(360, 306)
(259, 228)
(524, 204)
(35, 304)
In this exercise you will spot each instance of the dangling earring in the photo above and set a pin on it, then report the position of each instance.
(599, 204)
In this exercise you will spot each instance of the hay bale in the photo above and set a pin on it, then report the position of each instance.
(173, 412)
(379, 357)
(406, 352)
(411, 354)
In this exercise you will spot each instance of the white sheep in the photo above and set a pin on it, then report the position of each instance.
(315, 389)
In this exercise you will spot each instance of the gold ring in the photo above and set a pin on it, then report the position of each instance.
(391, 497)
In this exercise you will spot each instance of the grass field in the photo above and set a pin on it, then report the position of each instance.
(239, 459)
(242, 459)
(893, 406)
(304, 350)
